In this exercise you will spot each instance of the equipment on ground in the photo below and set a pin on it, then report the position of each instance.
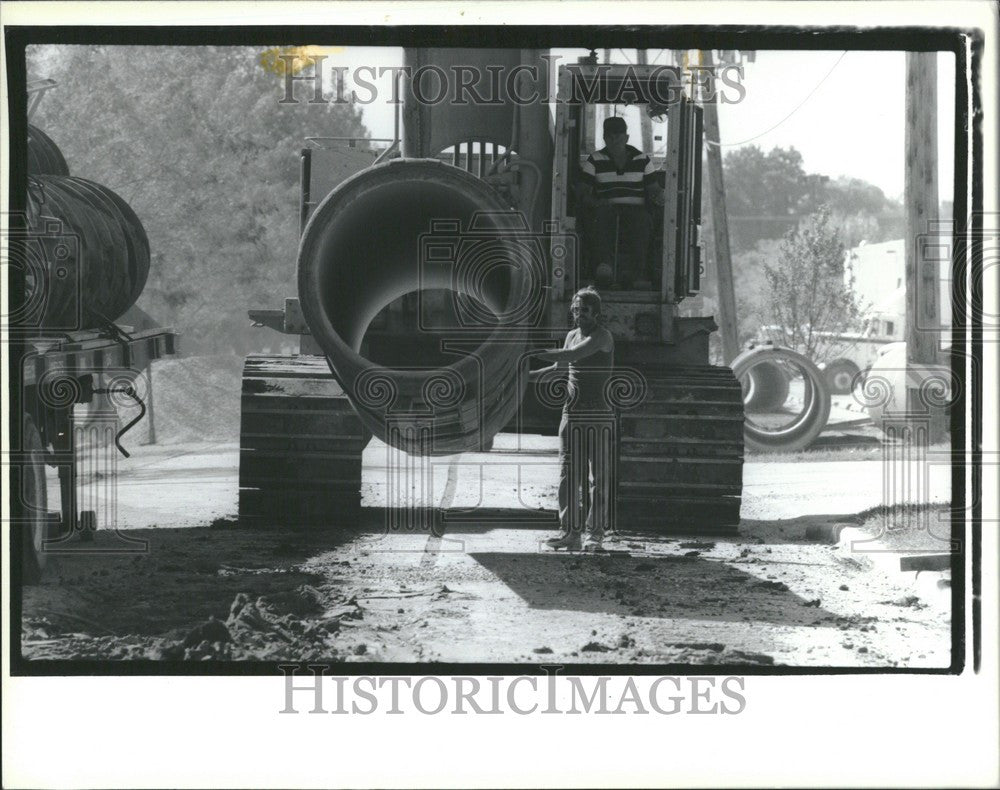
(787, 398)
(424, 281)
(80, 258)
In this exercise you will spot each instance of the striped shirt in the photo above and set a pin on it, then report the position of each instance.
(619, 187)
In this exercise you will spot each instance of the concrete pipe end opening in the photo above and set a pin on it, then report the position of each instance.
(785, 396)
(422, 228)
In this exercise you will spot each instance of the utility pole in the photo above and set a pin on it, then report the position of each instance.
(921, 197)
(720, 229)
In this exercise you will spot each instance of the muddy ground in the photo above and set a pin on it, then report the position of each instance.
(488, 591)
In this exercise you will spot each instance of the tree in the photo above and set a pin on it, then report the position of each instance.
(768, 196)
(810, 288)
(750, 285)
(765, 193)
(863, 212)
(768, 193)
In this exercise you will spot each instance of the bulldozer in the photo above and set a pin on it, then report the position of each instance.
(427, 278)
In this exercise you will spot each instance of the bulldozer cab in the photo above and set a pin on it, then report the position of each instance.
(665, 125)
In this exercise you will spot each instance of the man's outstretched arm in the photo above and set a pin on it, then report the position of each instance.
(535, 375)
(590, 345)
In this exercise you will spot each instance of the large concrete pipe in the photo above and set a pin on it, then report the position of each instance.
(766, 388)
(44, 156)
(87, 255)
(417, 225)
(780, 431)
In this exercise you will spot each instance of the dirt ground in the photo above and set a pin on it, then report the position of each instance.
(488, 590)
(171, 575)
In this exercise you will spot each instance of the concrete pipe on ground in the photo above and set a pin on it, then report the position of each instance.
(85, 256)
(766, 387)
(418, 225)
(44, 156)
(782, 429)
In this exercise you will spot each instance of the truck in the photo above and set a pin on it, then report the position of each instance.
(844, 357)
(427, 278)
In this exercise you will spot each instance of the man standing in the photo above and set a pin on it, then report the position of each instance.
(617, 181)
(586, 432)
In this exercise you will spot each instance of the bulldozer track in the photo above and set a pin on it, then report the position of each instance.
(300, 444)
(679, 464)
(680, 454)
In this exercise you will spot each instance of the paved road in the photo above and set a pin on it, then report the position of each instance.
(190, 485)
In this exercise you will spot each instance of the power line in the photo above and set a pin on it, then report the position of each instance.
(794, 110)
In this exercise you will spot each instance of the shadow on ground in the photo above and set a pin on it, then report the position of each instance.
(671, 586)
(183, 577)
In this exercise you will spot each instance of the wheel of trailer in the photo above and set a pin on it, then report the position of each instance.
(34, 500)
(841, 376)
(797, 422)
(765, 387)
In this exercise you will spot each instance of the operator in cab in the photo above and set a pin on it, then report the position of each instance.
(619, 181)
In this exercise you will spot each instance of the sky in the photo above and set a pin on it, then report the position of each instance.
(842, 111)
(852, 125)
